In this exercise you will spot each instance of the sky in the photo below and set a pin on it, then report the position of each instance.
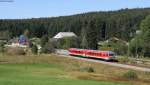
(19, 9)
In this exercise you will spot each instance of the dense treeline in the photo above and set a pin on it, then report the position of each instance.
(122, 24)
(130, 26)
(140, 44)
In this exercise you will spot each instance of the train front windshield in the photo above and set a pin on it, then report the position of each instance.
(111, 54)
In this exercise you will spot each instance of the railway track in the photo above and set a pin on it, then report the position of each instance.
(65, 53)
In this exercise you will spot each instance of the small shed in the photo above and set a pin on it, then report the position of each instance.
(64, 34)
(23, 40)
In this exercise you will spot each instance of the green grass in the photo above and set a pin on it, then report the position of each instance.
(51, 69)
(40, 74)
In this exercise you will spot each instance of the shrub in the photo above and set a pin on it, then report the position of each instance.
(2, 47)
(91, 69)
(48, 48)
(44, 40)
(34, 49)
(87, 69)
(45, 50)
(131, 75)
(123, 59)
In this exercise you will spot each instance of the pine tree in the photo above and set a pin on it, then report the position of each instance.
(44, 40)
(84, 43)
(140, 45)
(92, 35)
(145, 34)
(34, 49)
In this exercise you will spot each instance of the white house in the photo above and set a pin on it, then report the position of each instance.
(64, 34)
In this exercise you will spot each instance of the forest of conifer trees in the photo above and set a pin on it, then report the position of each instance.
(99, 26)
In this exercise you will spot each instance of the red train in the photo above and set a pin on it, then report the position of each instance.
(106, 55)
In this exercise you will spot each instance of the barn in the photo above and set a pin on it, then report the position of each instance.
(64, 34)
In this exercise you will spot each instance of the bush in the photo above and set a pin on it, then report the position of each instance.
(2, 47)
(87, 69)
(123, 59)
(34, 49)
(91, 69)
(127, 60)
(120, 48)
(44, 40)
(131, 75)
(48, 48)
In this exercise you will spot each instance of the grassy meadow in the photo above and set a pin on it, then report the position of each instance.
(39, 74)
(55, 70)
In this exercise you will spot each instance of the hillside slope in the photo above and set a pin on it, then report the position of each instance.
(122, 24)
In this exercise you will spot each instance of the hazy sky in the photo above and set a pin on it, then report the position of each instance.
(49, 8)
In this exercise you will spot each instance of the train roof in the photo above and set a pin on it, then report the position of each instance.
(92, 50)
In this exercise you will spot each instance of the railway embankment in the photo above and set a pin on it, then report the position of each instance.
(65, 53)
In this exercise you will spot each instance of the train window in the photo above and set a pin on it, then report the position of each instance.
(111, 54)
(104, 54)
(80, 52)
(96, 54)
(100, 54)
(90, 53)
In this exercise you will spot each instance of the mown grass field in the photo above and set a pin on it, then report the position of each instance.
(55, 70)
(40, 74)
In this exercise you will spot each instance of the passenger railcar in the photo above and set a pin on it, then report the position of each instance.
(106, 55)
